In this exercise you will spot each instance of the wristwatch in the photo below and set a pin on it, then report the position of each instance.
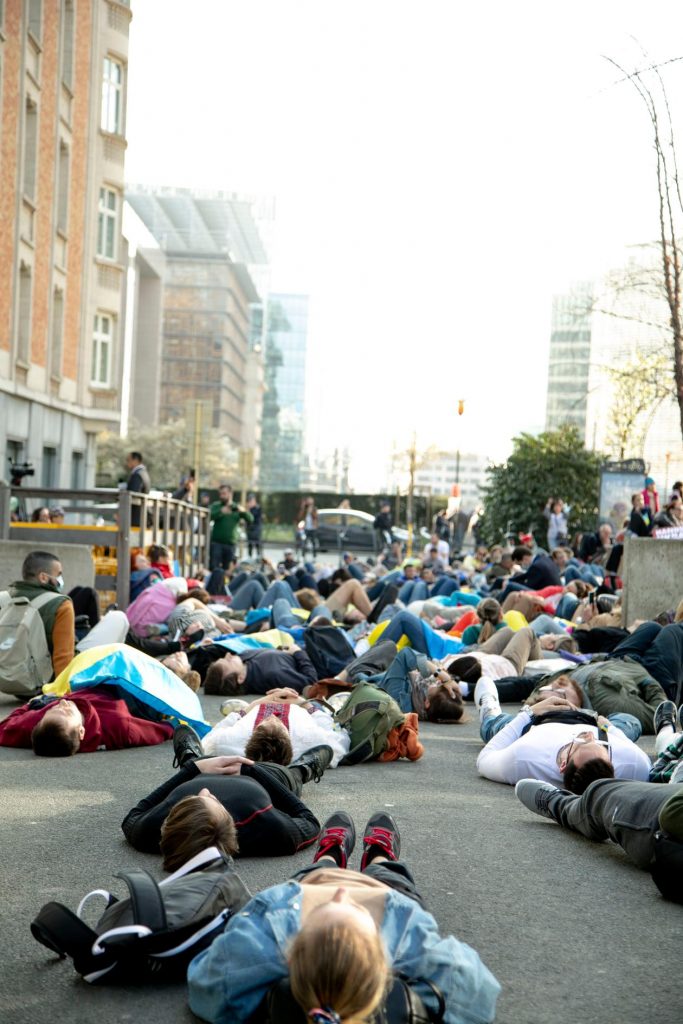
(529, 710)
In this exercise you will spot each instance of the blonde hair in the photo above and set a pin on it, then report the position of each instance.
(489, 613)
(678, 617)
(340, 966)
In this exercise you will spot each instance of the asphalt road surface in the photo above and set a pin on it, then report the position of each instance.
(573, 933)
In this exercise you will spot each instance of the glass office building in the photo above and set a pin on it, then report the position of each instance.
(282, 433)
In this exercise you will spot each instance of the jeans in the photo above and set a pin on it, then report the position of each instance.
(281, 615)
(445, 586)
(628, 724)
(374, 661)
(405, 623)
(221, 556)
(547, 624)
(376, 589)
(593, 574)
(413, 590)
(659, 649)
(510, 589)
(566, 606)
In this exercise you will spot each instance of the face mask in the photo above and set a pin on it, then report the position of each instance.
(57, 582)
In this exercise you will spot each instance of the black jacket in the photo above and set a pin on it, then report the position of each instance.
(271, 821)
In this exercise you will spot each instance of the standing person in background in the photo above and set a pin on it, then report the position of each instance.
(138, 482)
(556, 512)
(383, 525)
(640, 522)
(308, 515)
(255, 527)
(185, 490)
(225, 516)
(651, 496)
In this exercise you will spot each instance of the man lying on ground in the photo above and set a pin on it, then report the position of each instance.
(644, 818)
(553, 742)
(279, 728)
(226, 802)
(108, 698)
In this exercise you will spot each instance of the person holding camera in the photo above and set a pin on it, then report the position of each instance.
(225, 516)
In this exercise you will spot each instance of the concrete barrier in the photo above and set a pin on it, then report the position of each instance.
(76, 559)
(652, 572)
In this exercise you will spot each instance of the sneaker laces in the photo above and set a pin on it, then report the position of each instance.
(381, 837)
(332, 837)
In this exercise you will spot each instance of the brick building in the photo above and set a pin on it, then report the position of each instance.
(63, 79)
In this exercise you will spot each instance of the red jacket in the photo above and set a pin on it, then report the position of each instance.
(108, 724)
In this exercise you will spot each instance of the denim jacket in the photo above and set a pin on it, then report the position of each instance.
(228, 980)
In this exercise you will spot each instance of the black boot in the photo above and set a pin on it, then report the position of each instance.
(312, 763)
(186, 746)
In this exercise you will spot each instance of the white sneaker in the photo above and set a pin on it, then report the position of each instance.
(486, 698)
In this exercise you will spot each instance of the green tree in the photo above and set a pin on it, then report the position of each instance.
(167, 453)
(554, 464)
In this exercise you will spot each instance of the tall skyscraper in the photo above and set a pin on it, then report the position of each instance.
(569, 358)
(63, 86)
(282, 432)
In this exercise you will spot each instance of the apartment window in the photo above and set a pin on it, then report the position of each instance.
(24, 323)
(57, 332)
(77, 470)
(63, 189)
(35, 18)
(102, 350)
(49, 467)
(68, 43)
(112, 97)
(106, 224)
(30, 149)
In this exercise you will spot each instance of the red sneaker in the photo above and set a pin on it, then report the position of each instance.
(381, 839)
(337, 839)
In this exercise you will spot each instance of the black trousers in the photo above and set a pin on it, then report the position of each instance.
(659, 649)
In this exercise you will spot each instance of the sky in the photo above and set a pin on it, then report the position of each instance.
(440, 170)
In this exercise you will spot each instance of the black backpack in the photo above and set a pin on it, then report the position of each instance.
(401, 1005)
(328, 649)
(154, 932)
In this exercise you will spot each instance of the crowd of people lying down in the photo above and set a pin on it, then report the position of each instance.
(318, 668)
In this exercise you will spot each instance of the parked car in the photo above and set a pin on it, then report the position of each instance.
(350, 529)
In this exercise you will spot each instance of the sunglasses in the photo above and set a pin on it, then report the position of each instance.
(581, 739)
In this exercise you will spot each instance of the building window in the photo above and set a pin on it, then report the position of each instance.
(106, 224)
(77, 470)
(24, 323)
(63, 189)
(68, 43)
(49, 467)
(57, 332)
(30, 149)
(35, 18)
(112, 97)
(102, 351)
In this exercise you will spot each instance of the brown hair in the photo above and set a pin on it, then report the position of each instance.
(269, 744)
(340, 966)
(445, 708)
(489, 614)
(466, 668)
(197, 592)
(192, 826)
(221, 680)
(581, 588)
(577, 780)
(53, 739)
(308, 598)
(157, 551)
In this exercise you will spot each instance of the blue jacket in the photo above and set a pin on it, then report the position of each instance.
(229, 979)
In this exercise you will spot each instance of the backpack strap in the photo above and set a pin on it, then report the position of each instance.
(62, 931)
(43, 599)
(145, 897)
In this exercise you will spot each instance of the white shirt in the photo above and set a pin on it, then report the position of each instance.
(509, 756)
(442, 550)
(306, 730)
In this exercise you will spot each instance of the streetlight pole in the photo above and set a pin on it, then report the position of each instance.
(461, 409)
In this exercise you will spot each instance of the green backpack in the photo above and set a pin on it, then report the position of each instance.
(368, 716)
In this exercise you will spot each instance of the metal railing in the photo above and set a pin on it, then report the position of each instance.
(137, 520)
